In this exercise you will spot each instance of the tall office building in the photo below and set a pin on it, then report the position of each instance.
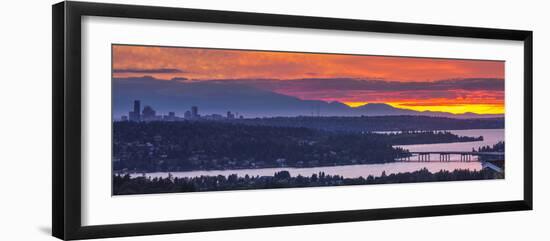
(135, 115)
(194, 111)
(137, 108)
(148, 114)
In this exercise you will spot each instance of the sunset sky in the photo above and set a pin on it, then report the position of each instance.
(454, 86)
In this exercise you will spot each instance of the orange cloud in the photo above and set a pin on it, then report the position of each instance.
(199, 63)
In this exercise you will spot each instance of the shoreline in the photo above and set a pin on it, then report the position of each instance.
(368, 169)
(127, 185)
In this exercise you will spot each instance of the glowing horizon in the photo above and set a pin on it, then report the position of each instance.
(453, 109)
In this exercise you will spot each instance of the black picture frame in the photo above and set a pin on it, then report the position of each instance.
(66, 47)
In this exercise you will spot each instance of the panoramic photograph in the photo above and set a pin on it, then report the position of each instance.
(187, 119)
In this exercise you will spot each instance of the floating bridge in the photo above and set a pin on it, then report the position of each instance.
(445, 156)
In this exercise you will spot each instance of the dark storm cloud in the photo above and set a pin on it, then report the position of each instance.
(148, 71)
(348, 84)
(384, 85)
(335, 85)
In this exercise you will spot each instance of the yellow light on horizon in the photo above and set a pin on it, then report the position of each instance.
(355, 104)
(454, 109)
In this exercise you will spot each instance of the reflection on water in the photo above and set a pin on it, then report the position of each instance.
(490, 137)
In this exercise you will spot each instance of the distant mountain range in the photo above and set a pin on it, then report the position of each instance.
(380, 109)
(249, 101)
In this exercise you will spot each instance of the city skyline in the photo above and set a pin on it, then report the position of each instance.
(148, 113)
(420, 84)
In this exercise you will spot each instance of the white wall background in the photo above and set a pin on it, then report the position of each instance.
(25, 119)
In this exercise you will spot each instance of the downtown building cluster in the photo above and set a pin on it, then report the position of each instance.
(149, 114)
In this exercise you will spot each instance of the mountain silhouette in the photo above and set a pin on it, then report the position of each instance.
(219, 97)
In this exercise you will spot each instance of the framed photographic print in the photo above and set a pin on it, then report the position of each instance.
(170, 120)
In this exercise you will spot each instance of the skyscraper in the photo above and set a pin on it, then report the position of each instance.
(148, 114)
(137, 108)
(135, 115)
(194, 111)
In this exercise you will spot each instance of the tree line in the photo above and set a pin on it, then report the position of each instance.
(378, 123)
(125, 184)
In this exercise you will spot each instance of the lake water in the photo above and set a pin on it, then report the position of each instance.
(490, 137)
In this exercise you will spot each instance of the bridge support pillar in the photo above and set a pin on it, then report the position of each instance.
(423, 157)
(445, 156)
